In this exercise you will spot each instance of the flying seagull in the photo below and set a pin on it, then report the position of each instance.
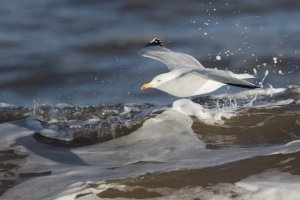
(187, 76)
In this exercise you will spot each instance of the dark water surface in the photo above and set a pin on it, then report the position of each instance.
(85, 52)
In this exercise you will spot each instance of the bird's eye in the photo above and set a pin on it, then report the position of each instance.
(158, 80)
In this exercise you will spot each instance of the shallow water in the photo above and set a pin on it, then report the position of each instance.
(75, 125)
(143, 151)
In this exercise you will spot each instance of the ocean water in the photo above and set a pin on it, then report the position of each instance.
(75, 124)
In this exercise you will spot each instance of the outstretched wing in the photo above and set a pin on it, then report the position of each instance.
(225, 77)
(173, 60)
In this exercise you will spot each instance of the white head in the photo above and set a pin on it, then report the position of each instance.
(159, 80)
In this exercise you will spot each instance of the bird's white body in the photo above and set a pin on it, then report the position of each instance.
(188, 85)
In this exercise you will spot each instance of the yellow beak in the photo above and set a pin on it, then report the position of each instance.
(146, 86)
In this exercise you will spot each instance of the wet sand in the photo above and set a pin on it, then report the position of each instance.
(9, 170)
(256, 127)
(206, 177)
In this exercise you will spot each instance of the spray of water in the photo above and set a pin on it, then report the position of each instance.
(262, 81)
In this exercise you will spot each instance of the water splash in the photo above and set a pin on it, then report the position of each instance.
(262, 81)
(87, 125)
(208, 116)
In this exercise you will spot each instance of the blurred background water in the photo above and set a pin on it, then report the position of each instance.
(84, 52)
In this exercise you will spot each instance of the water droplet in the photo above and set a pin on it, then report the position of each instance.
(218, 57)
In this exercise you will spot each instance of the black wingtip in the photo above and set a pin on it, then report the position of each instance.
(244, 86)
(155, 42)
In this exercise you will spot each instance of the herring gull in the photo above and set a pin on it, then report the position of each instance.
(187, 76)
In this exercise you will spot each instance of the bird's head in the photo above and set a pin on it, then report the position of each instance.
(157, 81)
(154, 83)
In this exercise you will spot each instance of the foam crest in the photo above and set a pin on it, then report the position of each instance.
(208, 116)
(270, 185)
(160, 139)
(87, 125)
(247, 94)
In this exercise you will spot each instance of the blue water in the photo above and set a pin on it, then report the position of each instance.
(85, 52)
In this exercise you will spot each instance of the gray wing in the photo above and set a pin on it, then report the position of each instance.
(173, 60)
(225, 77)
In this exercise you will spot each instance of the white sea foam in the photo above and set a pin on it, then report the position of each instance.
(270, 185)
(208, 116)
(248, 94)
(253, 95)
(5, 105)
(166, 142)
